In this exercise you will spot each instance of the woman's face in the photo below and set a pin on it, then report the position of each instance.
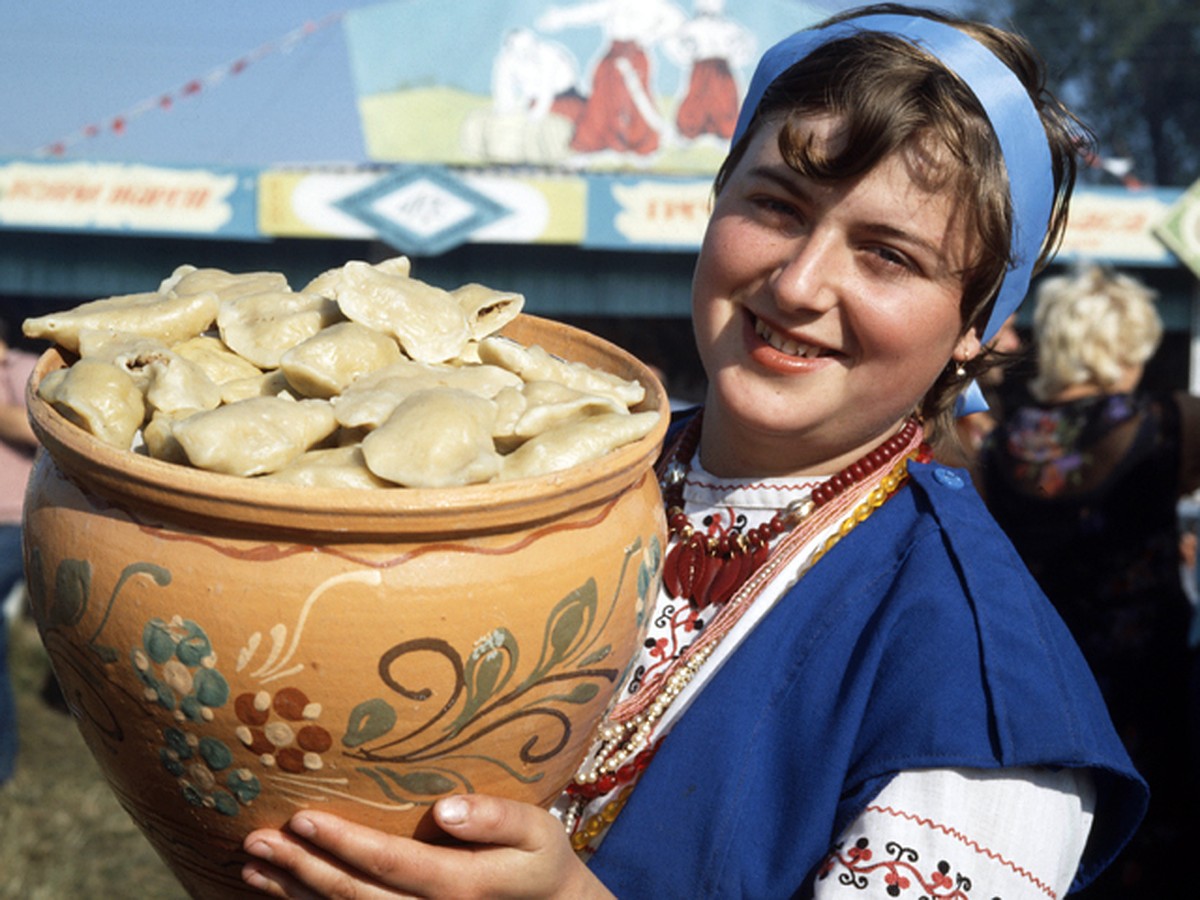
(823, 312)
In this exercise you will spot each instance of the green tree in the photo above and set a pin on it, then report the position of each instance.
(1129, 68)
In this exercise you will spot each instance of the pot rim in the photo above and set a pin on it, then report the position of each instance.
(195, 496)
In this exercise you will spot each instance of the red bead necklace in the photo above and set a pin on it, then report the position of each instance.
(627, 740)
(706, 570)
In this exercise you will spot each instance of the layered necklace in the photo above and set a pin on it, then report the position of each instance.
(726, 572)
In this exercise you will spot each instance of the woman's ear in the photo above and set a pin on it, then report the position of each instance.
(968, 346)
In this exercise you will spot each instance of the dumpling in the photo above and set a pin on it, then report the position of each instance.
(427, 322)
(98, 397)
(435, 438)
(326, 363)
(329, 467)
(368, 402)
(158, 437)
(487, 309)
(167, 318)
(218, 362)
(262, 327)
(264, 384)
(129, 352)
(576, 442)
(254, 436)
(326, 283)
(187, 280)
(175, 384)
(168, 381)
(549, 404)
(535, 364)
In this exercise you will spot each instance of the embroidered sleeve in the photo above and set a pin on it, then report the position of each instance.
(958, 834)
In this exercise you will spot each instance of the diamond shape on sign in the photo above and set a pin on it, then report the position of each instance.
(422, 210)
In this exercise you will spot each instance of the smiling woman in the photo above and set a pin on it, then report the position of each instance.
(787, 728)
(808, 294)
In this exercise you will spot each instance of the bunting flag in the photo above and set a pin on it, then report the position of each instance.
(1119, 167)
(119, 123)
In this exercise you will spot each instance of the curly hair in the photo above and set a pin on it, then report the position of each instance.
(1090, 327)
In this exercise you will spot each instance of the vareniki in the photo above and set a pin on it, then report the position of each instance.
(366, 378)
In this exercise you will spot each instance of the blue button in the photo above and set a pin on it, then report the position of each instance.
(949, 478)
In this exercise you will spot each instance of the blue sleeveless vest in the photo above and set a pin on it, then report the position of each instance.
(919, 641)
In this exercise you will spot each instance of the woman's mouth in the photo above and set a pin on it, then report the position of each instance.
(785, 344)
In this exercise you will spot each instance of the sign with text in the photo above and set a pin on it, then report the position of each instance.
(115, 197)
(1117, 225)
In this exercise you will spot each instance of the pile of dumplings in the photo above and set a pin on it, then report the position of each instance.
(366, 378)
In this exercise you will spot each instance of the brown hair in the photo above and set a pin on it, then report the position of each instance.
(891, 96)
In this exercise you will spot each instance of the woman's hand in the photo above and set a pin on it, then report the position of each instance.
(509, 849)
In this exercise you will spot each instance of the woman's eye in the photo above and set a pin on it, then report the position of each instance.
(893, 257)
(778, 208)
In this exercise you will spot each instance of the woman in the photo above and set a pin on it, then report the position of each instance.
(850, 682)
(1086, 480)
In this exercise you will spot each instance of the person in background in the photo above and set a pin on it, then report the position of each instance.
(17, 446)
(851, 686)
(1086, 479)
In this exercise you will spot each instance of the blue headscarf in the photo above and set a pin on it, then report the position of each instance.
(1010, 111)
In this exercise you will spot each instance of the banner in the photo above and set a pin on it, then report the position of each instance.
(121, 198)
(1117, 225)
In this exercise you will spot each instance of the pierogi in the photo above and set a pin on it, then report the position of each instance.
(163, 316)
(440, 437)
(262, 327)
(426, 320)
(367, 378)
(254, 436)
(98, 397)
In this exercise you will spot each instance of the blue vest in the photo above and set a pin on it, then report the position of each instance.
(919, 641)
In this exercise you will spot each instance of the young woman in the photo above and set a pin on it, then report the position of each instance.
(851, 683)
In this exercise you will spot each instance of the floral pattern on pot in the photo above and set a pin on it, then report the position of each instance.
(278, 736)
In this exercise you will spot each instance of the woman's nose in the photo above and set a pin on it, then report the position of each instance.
(808, 275)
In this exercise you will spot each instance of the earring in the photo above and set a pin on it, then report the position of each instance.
(959, 369)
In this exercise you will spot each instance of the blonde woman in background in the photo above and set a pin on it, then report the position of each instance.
(1085, 479)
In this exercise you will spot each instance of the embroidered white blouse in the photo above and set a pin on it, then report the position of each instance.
(937, 833)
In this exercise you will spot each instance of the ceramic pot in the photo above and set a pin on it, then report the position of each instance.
(233, 650)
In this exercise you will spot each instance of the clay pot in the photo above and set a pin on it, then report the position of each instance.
(234, 651)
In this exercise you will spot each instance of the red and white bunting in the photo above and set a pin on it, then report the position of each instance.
(165, 102)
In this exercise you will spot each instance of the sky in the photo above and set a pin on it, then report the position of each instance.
(71, 68)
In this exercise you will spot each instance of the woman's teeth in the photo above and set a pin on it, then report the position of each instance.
(785, 345)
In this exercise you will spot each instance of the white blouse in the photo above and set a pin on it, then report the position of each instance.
(936, 833)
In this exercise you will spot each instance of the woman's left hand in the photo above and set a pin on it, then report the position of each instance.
(509, 849)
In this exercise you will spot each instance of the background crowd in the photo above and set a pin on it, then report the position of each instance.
(1088, 470)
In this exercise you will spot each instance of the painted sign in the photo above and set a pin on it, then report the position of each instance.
(1117, 225)
(516, 208)
(115, 197)
(594, 85)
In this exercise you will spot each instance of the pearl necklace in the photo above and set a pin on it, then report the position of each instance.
(625, 747)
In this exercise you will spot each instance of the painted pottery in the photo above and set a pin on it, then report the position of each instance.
(234, 650)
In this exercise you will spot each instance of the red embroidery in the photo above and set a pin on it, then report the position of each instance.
(900, 872)
(755, 486)
(972, 843)
(901, 869)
